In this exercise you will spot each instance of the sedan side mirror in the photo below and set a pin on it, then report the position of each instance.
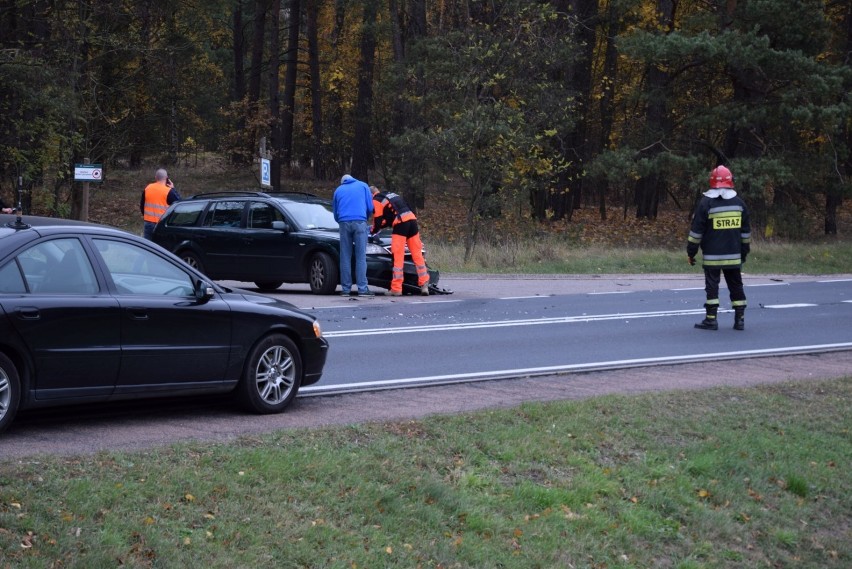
(203, 290)
(280, 226)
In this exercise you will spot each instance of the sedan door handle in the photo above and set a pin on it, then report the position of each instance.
(136, 313)
(28, 313)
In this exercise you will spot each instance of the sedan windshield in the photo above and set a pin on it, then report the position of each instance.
(311, 215)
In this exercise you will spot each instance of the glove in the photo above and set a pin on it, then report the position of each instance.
(691, 261)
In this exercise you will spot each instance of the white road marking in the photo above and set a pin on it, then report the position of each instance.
(611, 292)
(507, 323)
(800, 305)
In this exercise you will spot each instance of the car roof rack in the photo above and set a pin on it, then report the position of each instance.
(288, 193)
(249, 193)
(234, 193)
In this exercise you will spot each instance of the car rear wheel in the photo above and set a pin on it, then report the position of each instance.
(323, 274)
(192, 260)
(268, 285)
(10, 392)
(272, 375)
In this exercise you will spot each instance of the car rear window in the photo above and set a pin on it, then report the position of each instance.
(185, 214)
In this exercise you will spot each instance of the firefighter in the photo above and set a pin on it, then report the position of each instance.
(391, 210)
(721, 227)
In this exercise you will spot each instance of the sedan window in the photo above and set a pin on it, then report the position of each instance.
(59, 266)
(136, 270)
(11, 280)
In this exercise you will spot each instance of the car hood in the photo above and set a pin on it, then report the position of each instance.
(237, 294)
(323, 234)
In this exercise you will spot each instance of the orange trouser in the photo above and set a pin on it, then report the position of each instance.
(398, 243)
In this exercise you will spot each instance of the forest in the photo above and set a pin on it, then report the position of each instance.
(529, 109)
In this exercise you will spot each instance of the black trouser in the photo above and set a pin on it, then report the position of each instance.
(734, 279)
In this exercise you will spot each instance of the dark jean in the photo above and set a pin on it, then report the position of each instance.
(148, 229)
(353, 234)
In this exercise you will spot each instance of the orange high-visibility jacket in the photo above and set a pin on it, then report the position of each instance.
(156, 204)
(390, 209)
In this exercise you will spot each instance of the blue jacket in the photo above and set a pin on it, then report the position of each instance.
(352, 200)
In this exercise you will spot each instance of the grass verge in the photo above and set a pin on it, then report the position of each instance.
(552, 256)
(720, 478)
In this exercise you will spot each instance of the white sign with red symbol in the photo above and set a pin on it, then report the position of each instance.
(88, 173)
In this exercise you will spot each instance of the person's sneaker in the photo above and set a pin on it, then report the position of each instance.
(367, 294)
(344, 293)
(424, 290)
(395, 293)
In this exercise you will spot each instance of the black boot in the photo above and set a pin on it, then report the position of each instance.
(709, 322)
(739, 318)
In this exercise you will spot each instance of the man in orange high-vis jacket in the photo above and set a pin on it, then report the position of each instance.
(156, 198)
(391, 210)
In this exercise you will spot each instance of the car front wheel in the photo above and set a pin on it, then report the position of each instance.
(272, 376)
(323, 274)
(10, 392)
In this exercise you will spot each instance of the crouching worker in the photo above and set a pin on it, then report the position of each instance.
(721, 227)
(392, 211)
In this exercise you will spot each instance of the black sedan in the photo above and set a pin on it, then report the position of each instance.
(90, 313)
(271, 239)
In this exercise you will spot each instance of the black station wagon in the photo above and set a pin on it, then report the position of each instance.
(270, 239)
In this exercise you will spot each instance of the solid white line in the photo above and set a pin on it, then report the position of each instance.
(508, 323)
(802, 305)
(685, 289)
(837, 281)
(525, 297)
(767, 284)
(550, 370)
(611, 292)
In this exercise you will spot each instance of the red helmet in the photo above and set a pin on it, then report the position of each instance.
(721, 177)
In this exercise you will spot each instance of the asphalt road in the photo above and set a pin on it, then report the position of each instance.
(140, 426)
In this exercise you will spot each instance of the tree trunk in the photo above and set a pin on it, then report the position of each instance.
(362, 149)
(238, 87)
(274, 99)
(583, 24)
(316, 92)
(260, 8)
(648, 189)
(341, 158)
(607, 101)
(292, 58)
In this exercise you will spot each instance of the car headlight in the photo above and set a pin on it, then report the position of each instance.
(317, 329)
(373, 249)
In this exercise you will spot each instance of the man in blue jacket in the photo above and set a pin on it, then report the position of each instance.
(352, 206)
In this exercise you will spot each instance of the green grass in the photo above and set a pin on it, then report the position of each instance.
(551, 256)
(719, 478)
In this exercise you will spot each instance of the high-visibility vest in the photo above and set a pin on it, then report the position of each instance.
(156, 204)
